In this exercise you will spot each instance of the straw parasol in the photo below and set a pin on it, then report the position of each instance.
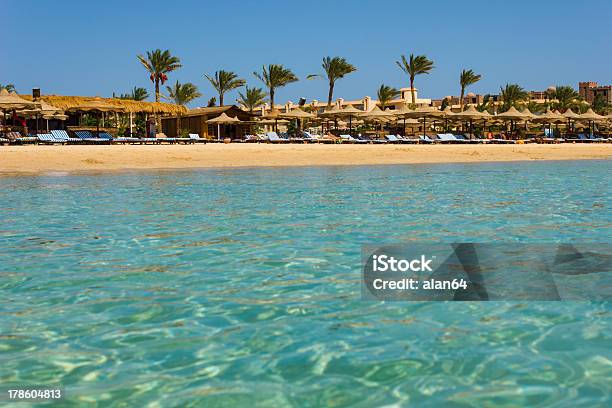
(298, 114)
(45, 110)
(470, 114)
(376, 114)
(592, 117)
(12, 101)
(512, 115)
(222, 119)
(349, 112)
(549, 117)
(424, 113)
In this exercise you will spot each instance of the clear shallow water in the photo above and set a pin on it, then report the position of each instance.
(241, 287)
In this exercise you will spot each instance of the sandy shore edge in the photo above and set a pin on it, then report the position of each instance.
(22, 160)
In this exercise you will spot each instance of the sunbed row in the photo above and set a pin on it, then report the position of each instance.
(88, 137)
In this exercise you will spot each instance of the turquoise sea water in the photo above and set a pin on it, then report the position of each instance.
(241, 288)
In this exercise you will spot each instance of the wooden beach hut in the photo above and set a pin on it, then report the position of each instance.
(196, 121)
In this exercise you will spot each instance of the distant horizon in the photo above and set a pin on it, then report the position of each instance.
(86, 56)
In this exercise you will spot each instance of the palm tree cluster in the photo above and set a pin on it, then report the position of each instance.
(160, 63)
(137, 94)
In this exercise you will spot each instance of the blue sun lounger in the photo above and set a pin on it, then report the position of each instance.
(87, 137)
(48, 138)
(425, 139)
(63, 135)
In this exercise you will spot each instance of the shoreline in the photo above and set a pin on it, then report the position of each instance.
(34, 160)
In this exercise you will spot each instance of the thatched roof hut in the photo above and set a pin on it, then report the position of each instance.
(127, 105)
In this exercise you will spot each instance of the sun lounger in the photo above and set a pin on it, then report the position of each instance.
(48, 138)
(273, 138)
(310, 137)
(596, 138)
(87, 137)
(63, 135)
(425, 139)
(368, 139)
(392, 139)
(16, 138)
(4, 140)
(251, 139)
(195, 138)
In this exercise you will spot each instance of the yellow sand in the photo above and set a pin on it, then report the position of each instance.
(36, 159)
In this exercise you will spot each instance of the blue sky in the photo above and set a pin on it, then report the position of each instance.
(90, 48)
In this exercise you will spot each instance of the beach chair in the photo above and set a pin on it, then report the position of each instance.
(47, 138)
(251, 139)
(16, 138)
(425, 139)
(369, 139)
(4, 140)
(392, 139)
(595, 138)
(406, 139)
(310, 138)
(195, 138)
(63, 135)
(273, 138)
(87, 137)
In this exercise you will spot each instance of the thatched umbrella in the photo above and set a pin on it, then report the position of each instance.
(592, 117)
(42, 109)
(222, 119)
(376, 114)
(549, 117)
(297, 114)
(424, 113)
(570, 115)
(12, 101)
(512, 115)
(401, 113)
(349, 112)
(470, 114)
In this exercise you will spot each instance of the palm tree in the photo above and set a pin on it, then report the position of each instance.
(467, 78)
(8, 87)
(158, 63)
(182, 94)
(385, 94)
(275, 76)
(416, 65)
(137, 94)
(565, 96)
(335, 68)
(252, 98)
(225, 81)
(512, 94)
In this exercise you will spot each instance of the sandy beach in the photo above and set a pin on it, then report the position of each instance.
(89, 158)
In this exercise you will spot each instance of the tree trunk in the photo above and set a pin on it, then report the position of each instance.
(271, 99)
(157, 117)
(178, 125)
(461, 99)
(330, 95)
(412, 90)
(220, 99)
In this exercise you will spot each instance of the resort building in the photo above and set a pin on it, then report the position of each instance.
(366, 104)
(196, 121)
(591, 90)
